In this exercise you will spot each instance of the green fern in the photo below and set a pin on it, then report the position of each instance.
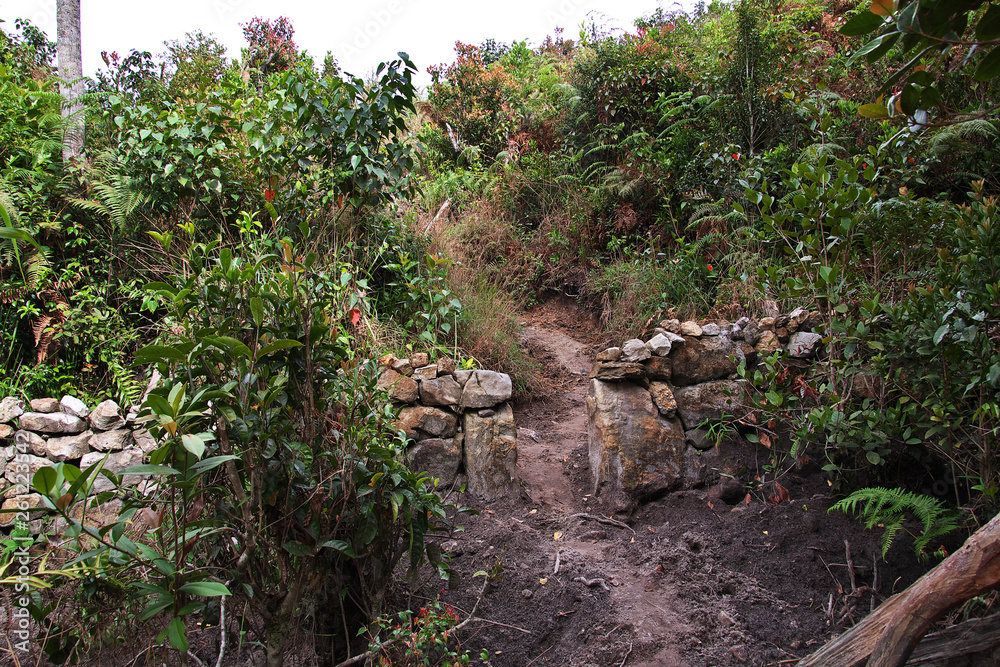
(890, 507)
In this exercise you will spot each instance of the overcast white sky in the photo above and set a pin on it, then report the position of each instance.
(360, 34)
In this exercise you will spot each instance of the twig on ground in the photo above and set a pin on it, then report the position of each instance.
(593, 582)
(538, 656)
(601, 519)
(850, 566)
(608, 633)
(627, 654)
(486, 620)
(555, 570)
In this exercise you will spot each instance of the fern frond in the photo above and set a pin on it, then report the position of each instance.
(890, 507)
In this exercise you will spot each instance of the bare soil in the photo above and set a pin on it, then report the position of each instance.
(687, 580)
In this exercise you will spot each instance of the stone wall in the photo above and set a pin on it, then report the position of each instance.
(647, 399)
(460, 422)
(48, 431)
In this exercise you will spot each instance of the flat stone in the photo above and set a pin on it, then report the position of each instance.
(462, 377)
(663, 399)
(659, 345)
(111, 441)
(690, 328)
(446, 366)
(419, 359)
(44, 405)
(659, 368)
(426, 372)
(491, 454)
(51, 422)
(69, 447)
(21, 504)
(107, 416)
(804, 344)
(486, 389)
(72, 405)
(11, 408)
(439, 457)
(711, 329)
(402, 366)
(420, 422)
(618, 371)
(33, 441)
(635, 350)
(116, 462)
(6, 431)
(704, 359)
(444, 390)
(610, 354)
(698, 438)
(710, 401)
(635, 457)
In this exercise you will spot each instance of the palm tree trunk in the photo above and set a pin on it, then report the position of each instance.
(70, 60)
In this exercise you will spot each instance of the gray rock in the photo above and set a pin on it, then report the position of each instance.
(446, 366)
(711, 329)
(704, 359)
(610, 354)
(44, 405)
(444, 390)
(698, 438)
(116, 462)
(420, 422)
(487, 412)
(462, 377)
(107, 416)
(34, 441)
(804, 344)
(672, 325)
(634, 451)
(144, 440)
(111, 441)
(491, 453)
(428, 372)
(486, 389)
(10, 409)
(22, 504)
(663, 399)
(70, 447)
(690, 328)
(767, 342)
(402, 366)
(618, 371)
(634, 351)
(710, 401)
(659, 368)
(702, 468)
(6, 454)
(659, 345)
(54, 422)
(675, 340)
(22, 468)
(72, 405)
(439, 457)
(419, 359)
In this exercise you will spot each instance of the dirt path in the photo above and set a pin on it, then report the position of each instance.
(687, 581)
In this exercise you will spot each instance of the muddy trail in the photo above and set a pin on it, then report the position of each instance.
(689, 579)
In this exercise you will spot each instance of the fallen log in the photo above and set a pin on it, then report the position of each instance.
(888, 636)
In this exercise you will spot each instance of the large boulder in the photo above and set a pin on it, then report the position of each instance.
(439, 457)
(484, 389)
(51, 422)
(712, 401)
(443, 390)
(421, 421)
(704, 359)
(491, 453)
(635, 452)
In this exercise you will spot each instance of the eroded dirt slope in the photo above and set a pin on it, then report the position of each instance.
(686, 580)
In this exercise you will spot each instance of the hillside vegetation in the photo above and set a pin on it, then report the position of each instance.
(260, 230)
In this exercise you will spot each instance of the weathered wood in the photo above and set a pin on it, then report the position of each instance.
(888, 636)
(962, 639)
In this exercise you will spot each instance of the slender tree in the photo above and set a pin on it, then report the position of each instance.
(70, 60)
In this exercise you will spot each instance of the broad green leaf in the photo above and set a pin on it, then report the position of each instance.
(873, 458)
(17, 234)
(211, 462)
(44, 480)
(193, 444)
(155, 353)
(862, 24)
(989, 68)
(988, 27)
(177, 633)
(149, 469)
(339, 545)
(257, 309)
(151, 610)
(297, 548)
(277, 345)
(873, 110)
(941, 333)
(205, 588)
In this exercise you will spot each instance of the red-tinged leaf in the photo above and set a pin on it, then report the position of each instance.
(710, 505)
(873, 110)
(783, 493)
(883, 7)
(746, 501)
(355, 316)
(751, 417)
(765, 440)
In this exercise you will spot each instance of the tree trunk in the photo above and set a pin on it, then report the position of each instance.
(70, 61)
(887, 637)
